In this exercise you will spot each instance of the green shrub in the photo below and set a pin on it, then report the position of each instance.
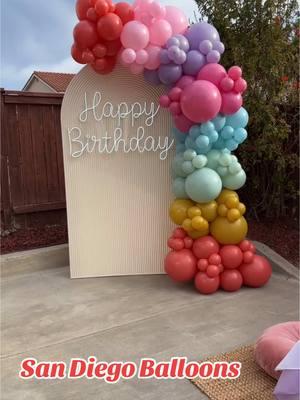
(263, 38)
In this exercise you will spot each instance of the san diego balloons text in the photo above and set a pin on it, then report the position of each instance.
(209, 245)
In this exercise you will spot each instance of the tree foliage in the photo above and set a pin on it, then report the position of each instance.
(263, 38)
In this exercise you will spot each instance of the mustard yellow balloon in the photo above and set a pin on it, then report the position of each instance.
(198, 234)
(222, 210)
(225, 194)
(242, 208)
(209, 210)
(178, 210)
(194, 212)
(233, 214)
(226, 232)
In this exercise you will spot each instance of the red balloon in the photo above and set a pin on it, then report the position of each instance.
(257, 273)
(104, 65)
(231, 280)
(113, 47)
(232, 256)
(81, 8)
(181, 265)
(100, 50)
(92, 15)
(205, 247)
(77, 54)
(88, 56)
(110, 27)
(125, 12)
(101, 7)
(206, 285)
(85, 35)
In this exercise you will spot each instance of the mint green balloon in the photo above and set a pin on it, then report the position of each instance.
(178, 187)
(234, 182)
(203, 185)
(213, 157)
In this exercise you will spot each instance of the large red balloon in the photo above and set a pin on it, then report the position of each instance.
(181, 265)
(257, 273)
(205, 247)
(231, 280)
(232, 256)
(77, 54)
(113, 47)
(125, 12)
(81, 8)
(206, 285)
(85, 35)
(110, 26)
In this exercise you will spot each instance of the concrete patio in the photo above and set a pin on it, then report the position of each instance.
(47, 316)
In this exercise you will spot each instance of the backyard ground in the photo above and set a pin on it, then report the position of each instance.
(281, 236)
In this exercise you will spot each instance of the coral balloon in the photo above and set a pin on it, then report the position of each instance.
(176, 19)
(135, 35)
(206, 285)
(257, 273)
(110, 26)
(232, 256)
(204, 93)
(85, 35)
(77, 54)
(231, 280)
(226, 232)
(160, 31)
(125, 12)
(204, 247)
(181, 265)
(82, 7)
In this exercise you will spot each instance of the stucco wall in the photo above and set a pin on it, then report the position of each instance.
(38, 86)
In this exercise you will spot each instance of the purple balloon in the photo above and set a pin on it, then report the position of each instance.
(169, 73)
(205, 46)
(180, 58)
(213, 56)
(196, 33)
(173, 52)
(183, 42)
(194, 62)
(164, 57)
(152, 77)
(219, 46)
(173, 41)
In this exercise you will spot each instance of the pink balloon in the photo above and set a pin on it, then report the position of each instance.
(182, 123)
(200, 101)
(135, 35)
(213, 73)
(141, 57)
(160, 32)
(176, 19)
(231, 103)
(128, 56)
(181, 265)
(164, 101)
(153, 60)
(184, 81)
(157, 10)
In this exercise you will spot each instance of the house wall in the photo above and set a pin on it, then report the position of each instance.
(37, 86)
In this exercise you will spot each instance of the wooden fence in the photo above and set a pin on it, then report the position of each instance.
(32, 176)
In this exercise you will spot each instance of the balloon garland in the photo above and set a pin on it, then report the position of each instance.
(205, 100)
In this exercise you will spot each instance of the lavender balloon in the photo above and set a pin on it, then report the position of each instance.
(196, 33)
(169, 73)
(152, 77)
(195, 61)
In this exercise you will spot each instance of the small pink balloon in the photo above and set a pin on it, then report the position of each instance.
(176, 19)
(182, 123)
(235, 73)
(226, 84)
(231, 103)
(175, 108)
(175, 93)
(160, 32)
(202, 93)
(128, 56)
(240, 85)
(141, 57)
(157, 10)
(176, 243)
(164, 101)
(136, 68)
(213, 73)
(153, 57)
(135, 35)
(184, 81)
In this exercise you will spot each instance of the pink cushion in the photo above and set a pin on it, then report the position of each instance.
(274, 344)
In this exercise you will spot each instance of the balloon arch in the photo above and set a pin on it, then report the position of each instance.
(205, 100)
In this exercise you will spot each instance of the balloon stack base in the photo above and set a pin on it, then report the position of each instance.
(213, 266)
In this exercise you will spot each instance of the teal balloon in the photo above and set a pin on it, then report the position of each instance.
(178, 188)
(219, 122)
(177, 165)
(203, 185)
(240, 135)
(234, 182)
(231, 144)
(239, 119)
(179, 136)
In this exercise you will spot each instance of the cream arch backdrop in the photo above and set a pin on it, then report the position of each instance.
(117, 203)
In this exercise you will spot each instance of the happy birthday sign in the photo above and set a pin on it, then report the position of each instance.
(118, 139)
